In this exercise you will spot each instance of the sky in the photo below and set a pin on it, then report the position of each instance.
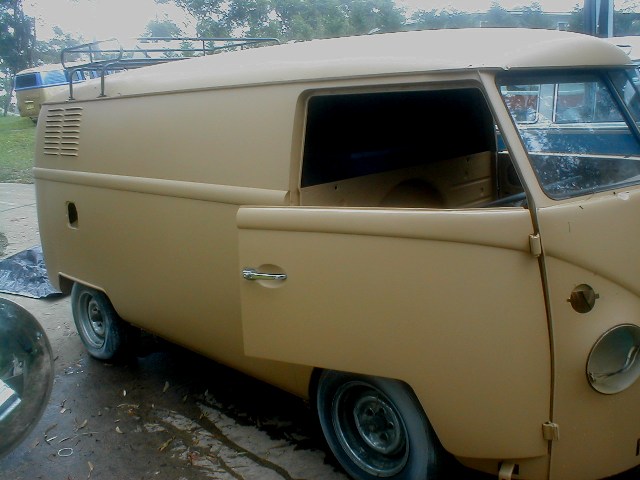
(99, 19)
(104, 19)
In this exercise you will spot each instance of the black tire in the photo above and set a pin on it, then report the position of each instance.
(376, 428)
(104, 334)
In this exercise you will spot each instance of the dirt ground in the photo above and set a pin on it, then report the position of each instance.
(169, 414)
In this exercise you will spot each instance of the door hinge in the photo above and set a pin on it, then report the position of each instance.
(550, 431)
(535, 245)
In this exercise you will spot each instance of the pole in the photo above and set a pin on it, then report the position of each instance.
(598, 18)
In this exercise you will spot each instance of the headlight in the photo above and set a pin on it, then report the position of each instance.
(614, 361)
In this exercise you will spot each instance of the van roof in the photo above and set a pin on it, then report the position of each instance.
(630, 45)
(50, 67)
(382, 54)
(41, 68)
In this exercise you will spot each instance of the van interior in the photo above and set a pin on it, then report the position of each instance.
(405, 149)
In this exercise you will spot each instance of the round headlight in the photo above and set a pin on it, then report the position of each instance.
(614, 361)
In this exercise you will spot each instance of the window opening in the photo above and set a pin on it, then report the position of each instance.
(413, 149)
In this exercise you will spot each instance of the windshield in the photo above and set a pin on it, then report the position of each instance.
(580, 130)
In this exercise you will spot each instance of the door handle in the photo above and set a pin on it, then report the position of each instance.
(253, 274)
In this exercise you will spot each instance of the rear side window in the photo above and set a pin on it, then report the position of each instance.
(55, 77)
(26, 80)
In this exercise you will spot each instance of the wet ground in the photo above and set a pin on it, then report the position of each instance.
(169, 414)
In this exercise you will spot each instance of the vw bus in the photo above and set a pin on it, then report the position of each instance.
(34, 86)
(372, 224)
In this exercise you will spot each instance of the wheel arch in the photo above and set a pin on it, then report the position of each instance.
(65, 284)
(317, 373)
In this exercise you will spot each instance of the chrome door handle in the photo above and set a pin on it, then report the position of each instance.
(253, 274)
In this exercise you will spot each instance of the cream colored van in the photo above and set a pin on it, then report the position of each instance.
(432, 236)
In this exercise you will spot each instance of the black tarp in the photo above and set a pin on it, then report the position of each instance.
(25, 274)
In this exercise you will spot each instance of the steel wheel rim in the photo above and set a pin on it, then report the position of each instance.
(370, 429)
(92, 320)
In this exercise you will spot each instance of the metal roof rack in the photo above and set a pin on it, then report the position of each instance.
(104, 57)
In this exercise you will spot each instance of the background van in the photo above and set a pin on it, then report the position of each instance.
(34, 86)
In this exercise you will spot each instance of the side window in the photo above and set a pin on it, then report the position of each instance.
(26, 80)
(418, 149)
(54, 77)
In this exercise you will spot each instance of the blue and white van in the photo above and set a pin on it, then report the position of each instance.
(36, 85)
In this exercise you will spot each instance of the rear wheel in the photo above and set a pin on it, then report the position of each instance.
(376, 428)
(104, 334)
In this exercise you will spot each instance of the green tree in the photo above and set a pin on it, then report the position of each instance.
(49, 52)
(497, 16)
(626, 22)
(434, 19)
(533, 17)
(528, 17)
(162, 28)
(17, 44)
(292, 19)
(576, 22)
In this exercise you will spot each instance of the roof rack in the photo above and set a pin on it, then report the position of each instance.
(110, 56)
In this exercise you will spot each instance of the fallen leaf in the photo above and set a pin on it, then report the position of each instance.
(118, 430)
(192, 457)
(166, 387)
(164, 446)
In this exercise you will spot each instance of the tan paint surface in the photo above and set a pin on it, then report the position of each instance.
(586, 243)
(410, 295)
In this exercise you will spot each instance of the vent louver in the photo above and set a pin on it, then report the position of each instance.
(62, 131)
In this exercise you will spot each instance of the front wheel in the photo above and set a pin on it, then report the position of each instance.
(376, 428)
(104, 334)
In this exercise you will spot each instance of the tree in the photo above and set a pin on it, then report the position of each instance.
(292, 19)
(497, 16)
(17, 44)
(576, 22)
(49, 52)
(162, 28)
(626, 22)
(434, 19)
(534, 17)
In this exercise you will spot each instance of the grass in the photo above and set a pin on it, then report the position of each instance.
(17, 146)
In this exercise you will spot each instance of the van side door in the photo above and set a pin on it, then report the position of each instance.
(408, 259)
